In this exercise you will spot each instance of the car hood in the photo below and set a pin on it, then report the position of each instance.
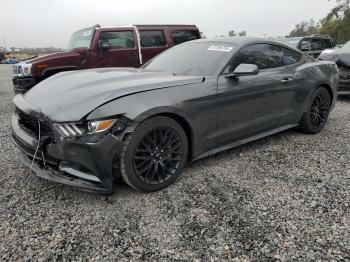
(44, 58)
(341, 56)
(69, 96)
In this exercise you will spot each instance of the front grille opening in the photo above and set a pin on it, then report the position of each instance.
(30, 123)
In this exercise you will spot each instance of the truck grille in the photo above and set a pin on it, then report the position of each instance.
(30, 124)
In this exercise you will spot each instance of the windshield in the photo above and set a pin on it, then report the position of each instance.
(82, 38)
(195, 59)
(293, 42)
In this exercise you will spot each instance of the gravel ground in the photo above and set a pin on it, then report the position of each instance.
(283, 198)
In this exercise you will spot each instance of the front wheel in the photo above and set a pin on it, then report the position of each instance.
(154, 155)
(316, 115)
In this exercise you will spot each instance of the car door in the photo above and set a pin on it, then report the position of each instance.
(249, 105)
(122, 49)
(152, 43)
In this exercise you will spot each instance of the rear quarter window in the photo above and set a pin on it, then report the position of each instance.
(182, 36)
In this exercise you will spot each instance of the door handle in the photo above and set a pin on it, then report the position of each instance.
(286, 80)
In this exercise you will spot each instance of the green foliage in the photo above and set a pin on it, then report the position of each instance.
(305, 28)
(337, 27)
(336, 24)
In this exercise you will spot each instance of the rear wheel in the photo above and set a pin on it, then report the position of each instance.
(316, 115)
(154, 155)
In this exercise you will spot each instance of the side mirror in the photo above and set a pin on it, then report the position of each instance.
(244, 70)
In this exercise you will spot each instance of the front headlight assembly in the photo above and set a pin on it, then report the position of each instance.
(27, 69)
(87, 128)
(21, 70)
(100, 126)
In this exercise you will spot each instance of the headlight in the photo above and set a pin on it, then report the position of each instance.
(26, 69)
(100, 126)
(87, 128)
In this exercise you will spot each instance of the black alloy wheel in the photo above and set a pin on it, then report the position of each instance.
(154, 155)
(158, 155)
(316, 115)
(319, 110)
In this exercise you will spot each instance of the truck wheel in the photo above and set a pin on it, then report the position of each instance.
(154, 155)
(316, 115)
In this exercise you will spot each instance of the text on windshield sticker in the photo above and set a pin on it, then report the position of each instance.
(220, 48)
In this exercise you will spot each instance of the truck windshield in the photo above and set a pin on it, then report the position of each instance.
(82, 38)
(195, 59)
(293, 42)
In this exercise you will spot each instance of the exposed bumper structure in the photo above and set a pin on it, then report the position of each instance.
(344, 87)
(23, 84)
(88, 166)
(344, 83)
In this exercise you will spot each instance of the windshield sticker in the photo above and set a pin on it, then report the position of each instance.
(87, 33)
(220, 48)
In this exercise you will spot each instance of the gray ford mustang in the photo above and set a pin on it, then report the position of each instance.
(89, 128)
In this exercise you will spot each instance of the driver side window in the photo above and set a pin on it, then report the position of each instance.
(121, 39)
(263, 55)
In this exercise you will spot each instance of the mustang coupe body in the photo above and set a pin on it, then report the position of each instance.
(89, 128)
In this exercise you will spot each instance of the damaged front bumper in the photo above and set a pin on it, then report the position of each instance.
(75, 162)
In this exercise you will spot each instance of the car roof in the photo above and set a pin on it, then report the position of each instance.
(238, 40)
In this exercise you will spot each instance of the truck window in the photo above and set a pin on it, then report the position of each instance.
(305, 45)
(152, 38)
(184, 36)
(327, 43)
(121, 39)
(81, 38)
(316, 44)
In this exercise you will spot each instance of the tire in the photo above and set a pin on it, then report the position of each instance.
(154, 155)
(316, 115)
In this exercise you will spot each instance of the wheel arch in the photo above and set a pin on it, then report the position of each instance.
(184, 123)
(54, 70)
(329, 89)
(319, 85)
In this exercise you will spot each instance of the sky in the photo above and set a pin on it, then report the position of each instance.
(43, 23)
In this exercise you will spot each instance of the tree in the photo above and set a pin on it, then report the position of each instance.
(336, 24)
(243, 33)
(305, 28)
(337, 27)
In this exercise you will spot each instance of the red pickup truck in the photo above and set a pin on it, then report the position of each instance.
(121, 46)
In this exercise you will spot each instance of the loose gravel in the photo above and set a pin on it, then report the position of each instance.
(285, 198)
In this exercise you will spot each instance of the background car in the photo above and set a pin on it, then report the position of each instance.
(341, 56)
(311, 45)
(88, 128)
(103, 46)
